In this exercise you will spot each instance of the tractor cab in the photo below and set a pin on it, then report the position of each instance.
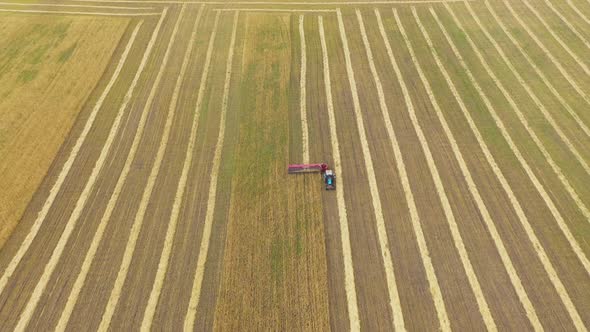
(330, 179)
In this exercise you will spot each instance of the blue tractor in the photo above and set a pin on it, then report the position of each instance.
(330, 179)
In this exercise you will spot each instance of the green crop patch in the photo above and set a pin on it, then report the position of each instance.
(275, 233)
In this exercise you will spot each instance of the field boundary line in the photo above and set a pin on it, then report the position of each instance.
(56, 12)
(394, 300)
(68, 165)
(71, 5)
(482, 304)
(487, 218)
(560, 290)
(556, 169)
(171, 229)
(556, 37)
(311, 3)
(578, 11)
(550, 55)
(191, 313)
(275, 10)
(138, 220)
(567, 23)
(303, 92)
(548, 117)
(553, 276)
(33, 301)
(349, 280)
(546, 81)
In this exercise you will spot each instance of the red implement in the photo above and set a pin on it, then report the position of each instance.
(307, 168)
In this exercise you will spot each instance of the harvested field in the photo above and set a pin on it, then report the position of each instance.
(157, 197)
(274, 258)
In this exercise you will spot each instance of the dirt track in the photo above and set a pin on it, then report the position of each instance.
(444, 258)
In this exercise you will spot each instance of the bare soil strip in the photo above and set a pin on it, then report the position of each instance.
(557, 38)
(568, 24)
(61, 12)
(139, 216)
(514, 278)
(302, 93)
(167, 249)
(555, 62)
(457, 239)
(49, 268)
(559, 286)
(556, 169)
(537, 70)
(212, 196)
(577, 10)
(73, 154)
(349, 282)
(543, 110)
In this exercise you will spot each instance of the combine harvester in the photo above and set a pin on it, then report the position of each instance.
(327, 174)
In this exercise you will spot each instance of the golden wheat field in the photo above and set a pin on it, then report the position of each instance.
(144, 148)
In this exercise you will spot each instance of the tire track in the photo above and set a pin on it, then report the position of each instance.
(302, 93)
(542, 255)
(493, 231)
(449, 215)
(349, 280)
(555, 62)
(548, 83)
(76, 149)
(543, 110)
(556, 169)
(129, 249)
(212, 196)
(557, 38)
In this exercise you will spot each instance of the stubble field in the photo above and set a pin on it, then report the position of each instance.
(458, 131)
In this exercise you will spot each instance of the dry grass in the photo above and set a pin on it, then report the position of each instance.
(274, 269)
(42, 62)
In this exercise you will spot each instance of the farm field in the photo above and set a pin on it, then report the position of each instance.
(42, 60)
(458, 132)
